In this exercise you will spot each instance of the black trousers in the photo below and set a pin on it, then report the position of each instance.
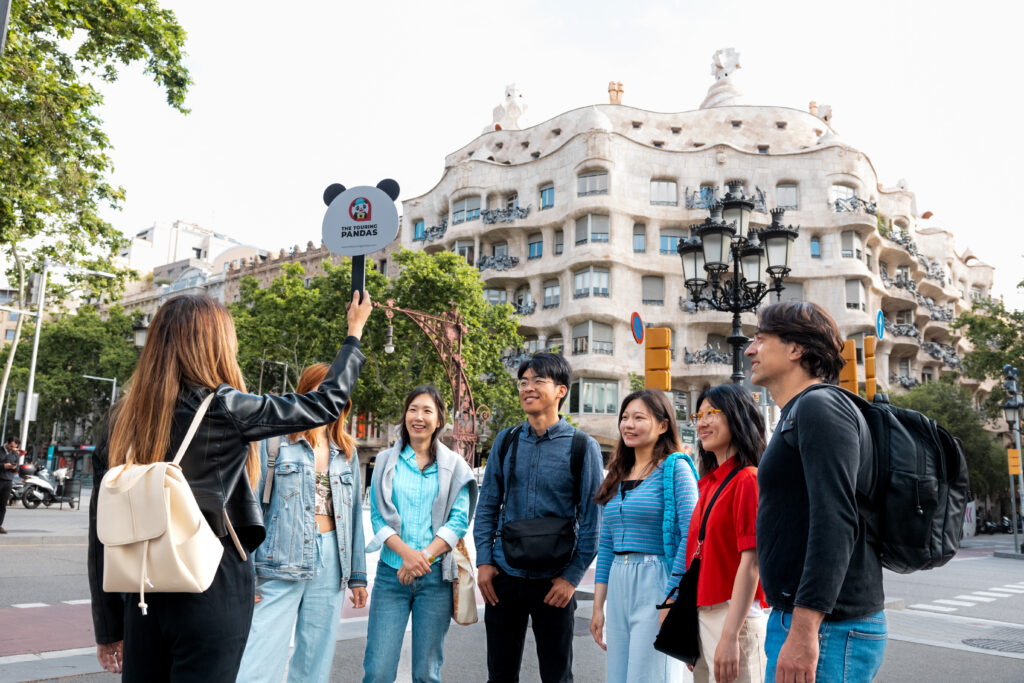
(191, 637)
(5, 492)
(518, 600)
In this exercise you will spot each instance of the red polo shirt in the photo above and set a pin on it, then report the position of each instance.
(730, 531)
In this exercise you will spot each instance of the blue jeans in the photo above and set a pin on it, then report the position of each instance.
(849, 651)
(429, 598)
(636, 584)
(313, 607)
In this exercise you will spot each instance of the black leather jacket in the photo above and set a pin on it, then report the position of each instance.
(214, 463)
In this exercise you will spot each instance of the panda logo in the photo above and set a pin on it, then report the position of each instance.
(360, 209)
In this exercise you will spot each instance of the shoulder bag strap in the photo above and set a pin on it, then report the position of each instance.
(273, 449)
(194, 427)
(511, 468)
(577, 454)
(711, 504)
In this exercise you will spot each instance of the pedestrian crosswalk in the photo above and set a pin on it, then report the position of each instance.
(945, 605)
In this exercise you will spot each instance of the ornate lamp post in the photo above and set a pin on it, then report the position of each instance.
(445, 333)
(726, 236)
(1013, 411)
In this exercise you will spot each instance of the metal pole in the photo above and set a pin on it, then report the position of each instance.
(113, 393)
(1016, 439)
(35, 355)
(1013, 514)
(737, 339)
(7, 409)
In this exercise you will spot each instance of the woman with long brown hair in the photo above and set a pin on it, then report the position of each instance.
(189, 355)
(648, 498)
(313, 512)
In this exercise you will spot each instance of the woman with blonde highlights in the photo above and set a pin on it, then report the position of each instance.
(189, 355)
(313, 552)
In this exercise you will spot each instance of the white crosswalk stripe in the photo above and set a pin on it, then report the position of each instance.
(1002, 592)
(78, 602)
(956, 603)
(933, 608)
(1012, 589)
(986, 594)
(27, 605)
(975, 598)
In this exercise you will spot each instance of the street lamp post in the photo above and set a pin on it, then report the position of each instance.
(726, 236)
(446, 332)
(26, 416)
(113, 389)
(1013, 411)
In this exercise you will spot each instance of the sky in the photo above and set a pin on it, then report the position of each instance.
(291, 97)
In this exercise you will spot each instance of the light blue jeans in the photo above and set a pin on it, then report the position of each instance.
(850, 651)
(429, 599)
(636, 585)
(312, 607)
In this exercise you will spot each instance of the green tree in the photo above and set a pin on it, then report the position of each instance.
(69, 347)
(298, 323)
(996, 334)
(52, 143)
(952, 407)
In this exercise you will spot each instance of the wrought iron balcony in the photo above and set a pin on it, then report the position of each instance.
(688, 306)
(434, 232)
(706, 356)
(512, 359)
(944, 352)
(903, 330)
(854, 204)
(938, 313)
(706, 197)
(497, 262)
(904, 381)
(508, 215)
(526, 309)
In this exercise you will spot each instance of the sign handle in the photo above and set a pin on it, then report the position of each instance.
(359, 275)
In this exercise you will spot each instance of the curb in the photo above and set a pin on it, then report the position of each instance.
(895, 603)
(43, 540)
(1008, 555)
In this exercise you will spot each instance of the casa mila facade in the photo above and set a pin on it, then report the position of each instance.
(576, 221)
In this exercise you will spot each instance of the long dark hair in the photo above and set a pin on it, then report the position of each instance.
(435, 395)
(623, 458)
(746, 425)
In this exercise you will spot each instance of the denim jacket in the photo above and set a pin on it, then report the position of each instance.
(290, 547)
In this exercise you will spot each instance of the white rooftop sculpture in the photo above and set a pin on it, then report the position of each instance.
(510, 114)
(723, 92)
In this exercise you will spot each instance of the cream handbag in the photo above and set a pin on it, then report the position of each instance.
(153, 533)
(464, 588)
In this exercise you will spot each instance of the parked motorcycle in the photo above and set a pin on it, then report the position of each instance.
(17, 489)
(46, 488)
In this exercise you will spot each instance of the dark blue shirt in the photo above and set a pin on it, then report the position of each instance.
(541, 487)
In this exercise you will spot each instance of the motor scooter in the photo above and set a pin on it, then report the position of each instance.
(46, 488)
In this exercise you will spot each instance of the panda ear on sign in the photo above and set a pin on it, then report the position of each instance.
(389, 187)
(332, 191)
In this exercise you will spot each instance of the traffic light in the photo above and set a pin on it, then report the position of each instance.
(658, 358)
(848, 375)
(870, 383)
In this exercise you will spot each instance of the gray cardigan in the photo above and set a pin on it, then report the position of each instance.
(452, 474)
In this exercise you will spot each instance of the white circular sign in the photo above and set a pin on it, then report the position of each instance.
(359, 221)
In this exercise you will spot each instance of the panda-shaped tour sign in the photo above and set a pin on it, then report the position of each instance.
(360, 221)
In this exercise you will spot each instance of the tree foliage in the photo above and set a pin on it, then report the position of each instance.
(952, 407)
(298, 323)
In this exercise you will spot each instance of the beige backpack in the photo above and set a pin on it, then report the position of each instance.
(153, 533)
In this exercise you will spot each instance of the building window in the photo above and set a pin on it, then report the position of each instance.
(559, 242)
(495, 296)
(793, 291)
(639, 238)
(840, 193)
(198, 252)
(652, 289)
(512, 201)
(591, 228)
(737, 124)
(594, 396)
(464, 248)
(868, 259)
(9, 335)
(590, 281)
(903, 273)
(904, 367)
(555, 344)
(905, 317)
(855, 296)
(786, 196)
(547, 197)
(499, 250)
(663, 192)
(668, 241)
(851, 245)
(977, 294)
(524, 297)
(536, 244)
(552, 294)
(815, 247)
(762, 149)
(419, 232)
(592, 183)
(927, 375)
(467, 209)
(707, 195)
(858, 344)
(592, 337)
(12, 316)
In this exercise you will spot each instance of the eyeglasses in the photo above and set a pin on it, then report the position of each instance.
(536, 383)
(697, 417)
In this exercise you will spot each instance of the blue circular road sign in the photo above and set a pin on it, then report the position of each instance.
(880, 325)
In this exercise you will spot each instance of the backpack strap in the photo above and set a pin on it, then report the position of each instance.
(192, 428)
(669, 529)
(511, 436)
(576, 456)
(273, 449)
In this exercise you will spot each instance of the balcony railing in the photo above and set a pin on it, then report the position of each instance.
(903, 330)
(507, 215)
(938, 313)
(688, 306)
(526, 309)
(497, 262)
(434, 232)
(706, 356)
(944, 352)
(854, 204)
(904, 381)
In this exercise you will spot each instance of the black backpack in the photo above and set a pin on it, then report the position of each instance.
(919, 493)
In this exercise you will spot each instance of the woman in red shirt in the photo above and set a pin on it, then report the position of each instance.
(730, 602)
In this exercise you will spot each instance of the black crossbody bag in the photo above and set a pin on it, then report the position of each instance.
(540, 544)
(679, 636)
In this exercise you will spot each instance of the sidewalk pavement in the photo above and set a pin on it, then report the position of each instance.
(53, 525)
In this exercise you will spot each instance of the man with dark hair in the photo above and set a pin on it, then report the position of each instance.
(537, 476)
(820, 574)
(9, 460)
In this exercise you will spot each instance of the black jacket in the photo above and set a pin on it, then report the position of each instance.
(214, 464)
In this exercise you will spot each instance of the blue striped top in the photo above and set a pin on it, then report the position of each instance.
(413, 493)
(634, 523)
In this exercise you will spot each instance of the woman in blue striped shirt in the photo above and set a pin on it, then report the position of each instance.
(421, 500)
(648, 497)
